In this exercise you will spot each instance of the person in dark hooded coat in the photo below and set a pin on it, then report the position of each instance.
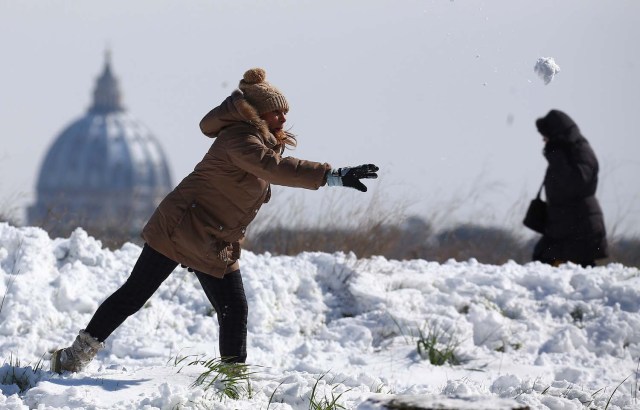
(575, 230)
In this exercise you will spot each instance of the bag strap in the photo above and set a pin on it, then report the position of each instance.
(540, 190)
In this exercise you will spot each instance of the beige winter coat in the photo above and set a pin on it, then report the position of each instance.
(201, 221)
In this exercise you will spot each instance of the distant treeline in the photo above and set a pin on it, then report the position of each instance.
(414, 238)
(417, 239)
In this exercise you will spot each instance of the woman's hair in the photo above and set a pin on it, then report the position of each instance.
(286, 139)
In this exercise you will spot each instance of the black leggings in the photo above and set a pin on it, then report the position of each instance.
(152, 268)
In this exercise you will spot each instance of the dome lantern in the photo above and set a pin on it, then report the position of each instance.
(106, 95)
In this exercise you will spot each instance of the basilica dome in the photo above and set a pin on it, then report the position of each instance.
(105, 172)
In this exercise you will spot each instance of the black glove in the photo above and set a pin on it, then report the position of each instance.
(351, 176)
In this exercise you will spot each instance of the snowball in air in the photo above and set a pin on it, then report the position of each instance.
(546, 68)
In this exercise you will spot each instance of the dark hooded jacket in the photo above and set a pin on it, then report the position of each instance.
(575, 228)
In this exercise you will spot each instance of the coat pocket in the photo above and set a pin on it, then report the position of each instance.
(199, 236)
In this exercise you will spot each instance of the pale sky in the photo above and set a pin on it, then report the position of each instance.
(441, 94)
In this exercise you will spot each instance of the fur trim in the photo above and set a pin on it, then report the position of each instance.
(248, 112)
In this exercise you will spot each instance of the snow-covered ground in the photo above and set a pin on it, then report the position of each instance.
(331, 326)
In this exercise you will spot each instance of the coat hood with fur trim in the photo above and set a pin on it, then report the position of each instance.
(234, 109)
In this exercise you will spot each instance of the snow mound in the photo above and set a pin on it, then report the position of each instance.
(323, 327)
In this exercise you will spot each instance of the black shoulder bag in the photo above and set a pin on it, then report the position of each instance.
(536, 216)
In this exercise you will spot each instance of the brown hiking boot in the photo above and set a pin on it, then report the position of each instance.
(77, 356)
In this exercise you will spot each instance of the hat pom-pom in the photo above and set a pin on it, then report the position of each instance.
(255, 75)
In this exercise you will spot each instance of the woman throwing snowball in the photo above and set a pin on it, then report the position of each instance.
(200, 223)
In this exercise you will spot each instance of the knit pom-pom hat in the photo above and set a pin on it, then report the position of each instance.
(263, 96)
